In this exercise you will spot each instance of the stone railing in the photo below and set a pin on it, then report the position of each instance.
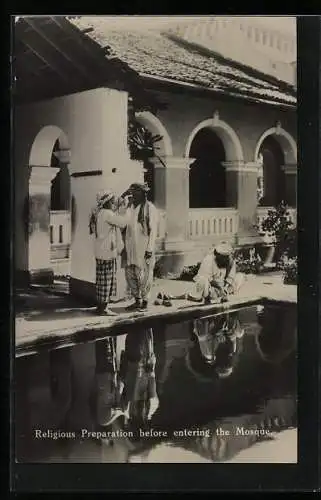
(60, 234)
(212, 222)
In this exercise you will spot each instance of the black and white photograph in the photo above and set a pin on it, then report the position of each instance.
(155, 239)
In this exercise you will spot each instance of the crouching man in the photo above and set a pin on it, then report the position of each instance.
(217, 277)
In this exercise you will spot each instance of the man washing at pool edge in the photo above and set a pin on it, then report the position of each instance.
(217, 277)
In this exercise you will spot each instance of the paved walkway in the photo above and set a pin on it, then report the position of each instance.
(44, 315)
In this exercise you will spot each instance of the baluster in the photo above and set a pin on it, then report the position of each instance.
(61, 239)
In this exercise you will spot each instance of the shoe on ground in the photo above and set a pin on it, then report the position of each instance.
(159, 299)
(166, 301)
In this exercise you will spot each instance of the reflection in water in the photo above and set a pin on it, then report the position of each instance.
(276, 339)
(216, 346)
(202, 389)
(137, 372)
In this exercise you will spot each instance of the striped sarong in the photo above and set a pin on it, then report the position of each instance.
(106, 283)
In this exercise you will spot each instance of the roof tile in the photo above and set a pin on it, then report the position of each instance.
(159, 55)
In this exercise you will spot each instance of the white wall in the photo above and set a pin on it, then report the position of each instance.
(95, 125)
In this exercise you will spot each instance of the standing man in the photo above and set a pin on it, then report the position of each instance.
(140, 240)
(105, 226)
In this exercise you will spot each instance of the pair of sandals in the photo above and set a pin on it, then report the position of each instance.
(163, 299)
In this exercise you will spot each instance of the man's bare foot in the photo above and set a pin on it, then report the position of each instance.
(109, 312)
(191, 298)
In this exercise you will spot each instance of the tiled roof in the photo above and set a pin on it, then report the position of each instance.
(162, 56)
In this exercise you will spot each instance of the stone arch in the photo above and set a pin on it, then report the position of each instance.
(155, 126)
(49, 201)
(226, 133)
(285, 140)
(43, 144)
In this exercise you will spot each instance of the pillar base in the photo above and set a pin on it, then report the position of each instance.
(36, 277)
(22, 278)
(83, 291)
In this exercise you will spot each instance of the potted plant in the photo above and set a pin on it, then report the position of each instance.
(277, 230)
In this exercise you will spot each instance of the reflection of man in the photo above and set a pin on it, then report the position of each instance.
(217, 340)
(217, 277)
(137, 373)
(108, 405)
(140, 241)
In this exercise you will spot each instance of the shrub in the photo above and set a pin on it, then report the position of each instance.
(248, 261)
(189, 272)
(290, 272)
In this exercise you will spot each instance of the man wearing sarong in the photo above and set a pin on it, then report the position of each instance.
(107, 392)
(105, 226)
(140, 238)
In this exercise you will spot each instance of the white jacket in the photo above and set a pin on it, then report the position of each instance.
(109, 242)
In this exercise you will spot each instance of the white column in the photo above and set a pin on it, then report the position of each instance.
(172, 195)
(290, 171)
(38, 223)
(241, 187)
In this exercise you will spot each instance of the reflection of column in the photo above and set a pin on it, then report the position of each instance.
(172, 195)
(290, 184)
(38, 224)
(241, 193)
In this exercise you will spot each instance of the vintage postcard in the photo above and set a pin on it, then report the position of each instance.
(155, 164)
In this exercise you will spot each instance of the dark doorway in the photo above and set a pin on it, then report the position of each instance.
(273, 175)
(60, 186)
(207, 179)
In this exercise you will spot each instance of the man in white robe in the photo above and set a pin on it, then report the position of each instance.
(140, 242)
